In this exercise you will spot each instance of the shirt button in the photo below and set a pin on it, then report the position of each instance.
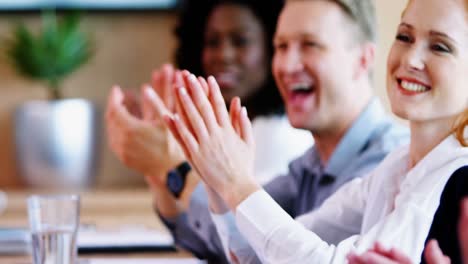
(197, 224)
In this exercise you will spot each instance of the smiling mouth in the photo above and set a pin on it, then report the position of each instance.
(412, 87)
(301, 89)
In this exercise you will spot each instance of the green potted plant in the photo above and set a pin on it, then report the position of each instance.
(60, 49)
(56, 139)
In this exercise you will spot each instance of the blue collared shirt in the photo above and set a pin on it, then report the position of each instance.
(308, 183)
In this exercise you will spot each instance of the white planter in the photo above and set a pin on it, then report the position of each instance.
(57, 143)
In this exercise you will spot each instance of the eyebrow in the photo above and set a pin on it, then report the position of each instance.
(297, 36)
(431, 33)
(441, 34)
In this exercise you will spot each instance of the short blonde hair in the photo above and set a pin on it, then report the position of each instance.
(362, 13)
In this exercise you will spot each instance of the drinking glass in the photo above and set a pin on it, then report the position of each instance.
(54, 220)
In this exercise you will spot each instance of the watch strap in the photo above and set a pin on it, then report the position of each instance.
(176, 178)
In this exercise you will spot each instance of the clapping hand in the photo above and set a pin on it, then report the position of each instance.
(136, 131)
(381, 255)
(217, 143)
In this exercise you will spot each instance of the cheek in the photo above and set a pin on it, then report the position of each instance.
(255, 59)
(390, 61)
(206, 59)
(275, 67)
(453, 84)
(393, 60)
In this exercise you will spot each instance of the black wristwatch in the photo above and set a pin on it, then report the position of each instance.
(176, 178)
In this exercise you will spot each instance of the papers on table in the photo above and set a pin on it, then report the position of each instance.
(124, 240)
(14, 241)
(145, 261)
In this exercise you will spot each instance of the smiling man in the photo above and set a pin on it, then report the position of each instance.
(324, 55)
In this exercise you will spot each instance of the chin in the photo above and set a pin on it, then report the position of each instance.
(411, 116)
(296, 122)
(399, 112)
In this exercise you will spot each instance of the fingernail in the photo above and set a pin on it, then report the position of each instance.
(193, 78)
(244, 111)
(150, 92)
(182, 91)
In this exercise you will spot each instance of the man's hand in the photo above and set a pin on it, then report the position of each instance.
(143, 142)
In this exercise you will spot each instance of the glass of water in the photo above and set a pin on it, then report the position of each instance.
(53, 221)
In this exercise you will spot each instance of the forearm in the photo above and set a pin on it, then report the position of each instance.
(194, 230)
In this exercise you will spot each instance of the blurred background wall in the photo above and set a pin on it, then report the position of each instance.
(128, 46)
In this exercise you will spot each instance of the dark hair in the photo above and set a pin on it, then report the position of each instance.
(190, 34)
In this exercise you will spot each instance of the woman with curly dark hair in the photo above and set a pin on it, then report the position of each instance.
(250, 35)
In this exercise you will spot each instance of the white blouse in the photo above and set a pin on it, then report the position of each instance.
(392, 205)
(277, 143)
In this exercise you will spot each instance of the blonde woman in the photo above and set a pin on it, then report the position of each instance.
(395, 204)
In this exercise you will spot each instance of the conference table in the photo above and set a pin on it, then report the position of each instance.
(102, 210)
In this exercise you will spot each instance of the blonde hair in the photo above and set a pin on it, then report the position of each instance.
(462, 120)
(360, 12)
(460, 126)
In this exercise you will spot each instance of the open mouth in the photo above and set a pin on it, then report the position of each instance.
(301, 89)
(226, 79)
(412, 87)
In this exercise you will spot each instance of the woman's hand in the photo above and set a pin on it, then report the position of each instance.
(380, 255)
(144, 143)
(220, 146)
(463, 230)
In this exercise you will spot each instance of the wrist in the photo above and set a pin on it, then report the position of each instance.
(165, 203)
(176, 179)
(238, 192)
(216, 203)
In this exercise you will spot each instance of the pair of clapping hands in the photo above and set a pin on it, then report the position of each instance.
(432, 253)
(218, 143)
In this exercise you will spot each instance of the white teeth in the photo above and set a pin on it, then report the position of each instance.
(301, 87)
(413, 87)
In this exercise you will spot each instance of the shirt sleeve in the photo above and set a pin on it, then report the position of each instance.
(341, 215)
(234, 244)
(276, 237)
(194, 230)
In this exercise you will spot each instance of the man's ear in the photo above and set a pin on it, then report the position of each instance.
(366, 60)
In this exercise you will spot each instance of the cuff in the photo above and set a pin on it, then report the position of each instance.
(258, 216)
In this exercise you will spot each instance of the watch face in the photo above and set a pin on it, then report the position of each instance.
(175, 182)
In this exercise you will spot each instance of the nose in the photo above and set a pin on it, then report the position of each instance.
(414, 59)
(290, 60)
(226, 51)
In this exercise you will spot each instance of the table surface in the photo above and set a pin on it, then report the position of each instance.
(102, 209)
